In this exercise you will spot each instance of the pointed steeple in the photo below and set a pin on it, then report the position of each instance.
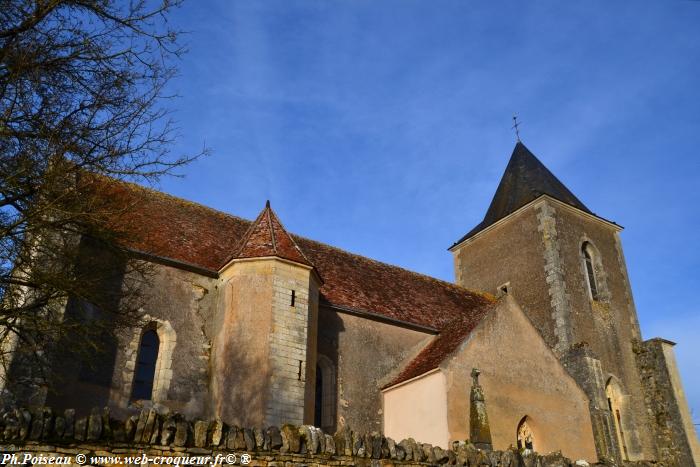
(525, 179)
(266, 236)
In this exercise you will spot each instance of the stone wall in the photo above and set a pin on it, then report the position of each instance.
(676, 438)
(366, 355)
(44, 433)
(179, 307)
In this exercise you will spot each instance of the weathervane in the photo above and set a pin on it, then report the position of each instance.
(515, 126)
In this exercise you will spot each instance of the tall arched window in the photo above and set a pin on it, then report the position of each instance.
(526, 438)
(144, 374)
(588, 258)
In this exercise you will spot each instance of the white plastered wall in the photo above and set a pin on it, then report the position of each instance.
(418, 409)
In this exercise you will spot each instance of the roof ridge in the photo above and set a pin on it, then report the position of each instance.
(184, 201)
(194, 204)
(486, 295)
(268, 210)
(242, 243)
(290, 235)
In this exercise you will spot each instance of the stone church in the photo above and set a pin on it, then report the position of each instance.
(257, 326)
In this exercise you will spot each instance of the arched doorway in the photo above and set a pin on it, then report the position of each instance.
(525, 435)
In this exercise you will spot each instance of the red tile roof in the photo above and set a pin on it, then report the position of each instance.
(164, 226)
(442, 346)
(161, 225)
(266, 236)
(362, 283)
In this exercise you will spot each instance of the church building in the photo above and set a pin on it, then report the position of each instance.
(257, 326)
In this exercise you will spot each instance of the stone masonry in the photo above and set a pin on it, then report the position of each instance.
(289, 353)
(554, 271)
(658, 370)
(105, 441)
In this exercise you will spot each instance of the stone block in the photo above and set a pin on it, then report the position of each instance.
(150, 426)
(216, 431)
(182, 433)
(291, 442)
(401, 453)
(81, 425)
(375, 441)
(439, 455)
(200, 433)
(405, 446)
(94, 428)
(156, 431)
(391, 445)
(249, 439)
(306, 440)
(168, 431)
(428, 453)
(11, 423)
(59, 427)
(329, 444)
(47, 429)
(130, 427)
(276, 441)
(239, 440)
(37, 425)
(259, 435)
(69, 416)
(140, 426)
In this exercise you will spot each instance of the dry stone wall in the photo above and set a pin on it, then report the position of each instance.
(42, 434)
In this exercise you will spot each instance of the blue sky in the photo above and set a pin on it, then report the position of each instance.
(383, 127)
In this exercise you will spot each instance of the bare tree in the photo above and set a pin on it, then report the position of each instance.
(82, 102)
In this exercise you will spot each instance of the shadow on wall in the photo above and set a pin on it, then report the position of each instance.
(330, 326)
(80, 364)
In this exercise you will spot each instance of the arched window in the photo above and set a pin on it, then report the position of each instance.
(615, 403)
(324, 415)
(144, 374)
(526, 438)
(589, 260)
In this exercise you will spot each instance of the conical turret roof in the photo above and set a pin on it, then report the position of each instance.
(266, 236)
(524, 180)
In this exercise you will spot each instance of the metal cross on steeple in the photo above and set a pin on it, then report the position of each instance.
(515, 126)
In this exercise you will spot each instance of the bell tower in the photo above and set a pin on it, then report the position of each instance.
(565, 266)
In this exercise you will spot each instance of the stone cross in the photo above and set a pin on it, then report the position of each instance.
(475, 376)
(479, 430)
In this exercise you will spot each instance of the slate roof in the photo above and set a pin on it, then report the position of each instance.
(171, 228)
(524, 180)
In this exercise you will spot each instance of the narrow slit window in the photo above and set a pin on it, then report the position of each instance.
(294, 297)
